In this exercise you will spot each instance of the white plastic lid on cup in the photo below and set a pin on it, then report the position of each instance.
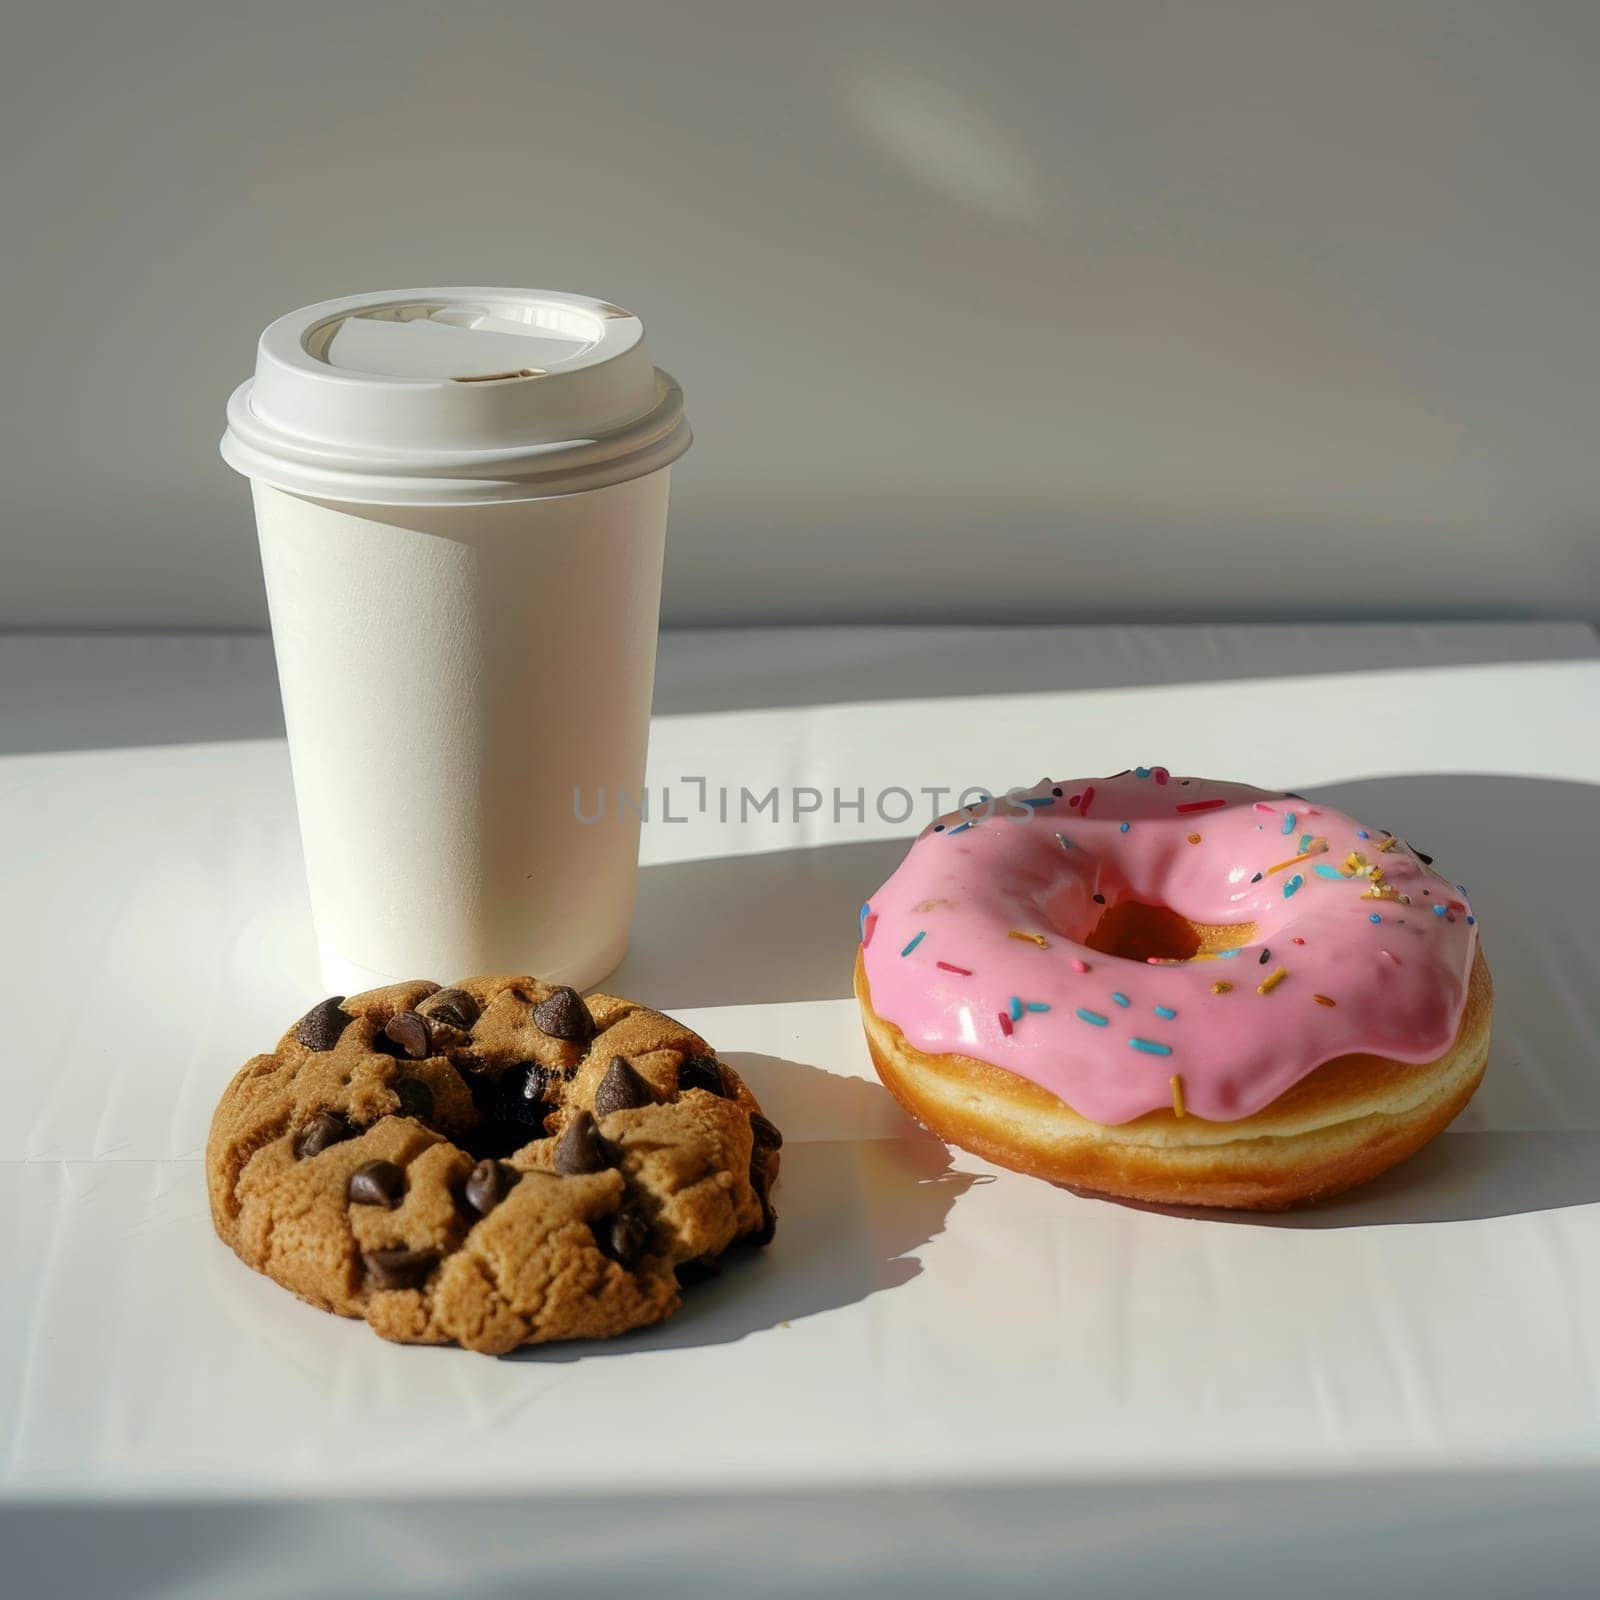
(454, 397)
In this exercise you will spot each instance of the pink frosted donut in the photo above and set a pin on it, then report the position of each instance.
(1174, 989)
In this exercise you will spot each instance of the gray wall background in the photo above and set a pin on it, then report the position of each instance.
(1111, 309)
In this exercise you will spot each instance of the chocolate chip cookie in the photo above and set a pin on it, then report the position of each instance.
(497, 1163)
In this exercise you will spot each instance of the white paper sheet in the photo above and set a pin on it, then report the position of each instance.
(925, 1325)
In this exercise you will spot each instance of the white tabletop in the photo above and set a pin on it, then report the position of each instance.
(963, 1375)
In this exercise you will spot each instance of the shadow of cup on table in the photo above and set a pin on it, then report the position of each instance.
(753, 929)
(852, 1213)
(781, 927)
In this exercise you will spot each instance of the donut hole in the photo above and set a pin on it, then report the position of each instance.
(1135, 931)
(1138, 932)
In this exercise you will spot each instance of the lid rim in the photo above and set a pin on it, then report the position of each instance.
(389, 483)
(438, 421)
(274, 439)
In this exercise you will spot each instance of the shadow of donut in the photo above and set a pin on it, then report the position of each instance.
(1530, 1139)
(852, 1213)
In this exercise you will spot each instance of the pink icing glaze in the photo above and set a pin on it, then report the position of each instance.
(1398, 985)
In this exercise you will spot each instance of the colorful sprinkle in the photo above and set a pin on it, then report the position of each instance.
(1122, 827)
(1323, 1000)
(1261, 805)
(1029, 938)
(1389, 843)
(1005, 1024)
(1141, 772)
(1298, 939)
(1094, 1017)
(1088, 797)
(1040, 800)
(866, 911)
(916, 940)
(1361, 833)
(1471, 921)
(1201, 805)
(1439, 911)
(961, 972)
(1288, 821)
(868, 928)
(1176, 1080)
(1372, 916)
(1079, 966)
(1164, 1011)
(1120, 998)
(1291, 884)
(1323, 870)
(1308, 847)
(1227, 955)
(960, 827)
(1194, 838)
(1221, 986)
(1151, 1047)
(1063, 841)
(1160, 774)
(1016, 1009)
(1268, 984)
(1038, 1005)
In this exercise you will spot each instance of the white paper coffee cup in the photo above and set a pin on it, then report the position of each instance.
(461, 497)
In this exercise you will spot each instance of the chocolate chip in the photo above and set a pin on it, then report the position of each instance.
(565, 1016)
(322, 1130)
(376, 1183)
(514, 1101)
(399, 1268)
(532, 1080)
(766, 1133)
(769, 1224)
(622, 1089)
(454, 1006)
(1257, 878)
(1099, 899)
(700, 1270)
(529, 1093)
(410, 1032)
(492, 1140)
(702, 1072)
(623, 1238)
(1422, 856)
(416, 1098)
(580, 1148)
(320, 1027)
(488, 1184)
(1265, 957)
